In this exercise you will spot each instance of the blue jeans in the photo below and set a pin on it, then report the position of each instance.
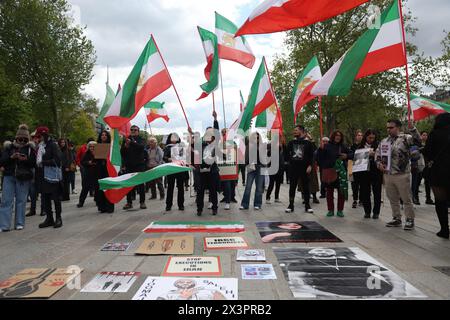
(13, 188)
(254, 176)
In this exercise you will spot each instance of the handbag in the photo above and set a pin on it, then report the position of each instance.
(73, 167)
(52, 174)
(329, 175)
(23, 173)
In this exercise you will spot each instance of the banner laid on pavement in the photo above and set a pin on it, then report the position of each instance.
(167, 245)
(195, 226)
(224, 243)
(116, 246)
(258, 272)
(111, 282)
(305, 231)
(161, 288)
(251, 255)
(192, 267)
(340, 273)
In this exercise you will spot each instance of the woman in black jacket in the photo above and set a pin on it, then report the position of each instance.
(371, 179)
(66, 160)
(103, 205)
(89, 163)
(174, 142)
(49, 159)
(437, 151)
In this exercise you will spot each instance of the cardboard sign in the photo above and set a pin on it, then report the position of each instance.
(101, 151)
(36, 283)
(192, 267)
(111, 282)
(161, 288)
(258, 272)
(251, 255)
(224, 243)
(167, 245)
(117, 246)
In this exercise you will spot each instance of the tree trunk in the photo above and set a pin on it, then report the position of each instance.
(54, 112)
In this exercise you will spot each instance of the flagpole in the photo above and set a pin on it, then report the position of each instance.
(273, 93)
(176, 92)
(321, 118)
(223, 99)
(408, 89)
(214, 102)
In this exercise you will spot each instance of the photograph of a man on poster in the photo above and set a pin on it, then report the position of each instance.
(306, 231)
(340, 273)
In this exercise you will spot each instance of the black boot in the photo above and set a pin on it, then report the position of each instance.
(58, 222)
(442, 213)
(49, 222)
(31, 213)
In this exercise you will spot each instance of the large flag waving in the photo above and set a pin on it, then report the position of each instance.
(231, 48)
(148, 79)
(155, 110)
(423, 108)
(305, 82)
(109, 99)
(261, 97)
(281, 15)
(210, 46)
(377, 50)
(270, 119)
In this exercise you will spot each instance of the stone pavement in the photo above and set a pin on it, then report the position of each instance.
(412, 255)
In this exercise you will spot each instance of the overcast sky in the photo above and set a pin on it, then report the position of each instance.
(120, 29)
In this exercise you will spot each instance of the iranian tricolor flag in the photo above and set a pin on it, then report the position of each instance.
(231, 48)
(305, 82)
(126, 182)
(423, 108)
(210, 46)
(261, 97)
(109, 99)
(377, 50)
(148, 79)
(270, 119)
(155, 110)
(195, 226)
(281, 15)
(113, 165)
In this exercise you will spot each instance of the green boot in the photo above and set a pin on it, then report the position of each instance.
(340, 214)
(330, 214)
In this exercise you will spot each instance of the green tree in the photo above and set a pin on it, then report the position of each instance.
(82, 129)
(48, 56)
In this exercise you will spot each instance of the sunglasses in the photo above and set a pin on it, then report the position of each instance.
(22, 140)
(134, 130)
(390, 128)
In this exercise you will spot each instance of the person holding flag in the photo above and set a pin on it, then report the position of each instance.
(103, 205)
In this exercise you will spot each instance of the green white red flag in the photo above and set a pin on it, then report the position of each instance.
(423, 108)
(261, 97)
(377, 50)
(305, 82)
(155, 110)
(281, 15)
(231, 48)
(195, 226)
(148, 79)
(210, 46)
(270, 119)
(109, 99)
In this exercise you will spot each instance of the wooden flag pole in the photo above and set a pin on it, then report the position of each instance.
(321, 118)
(408, 89)
(173, 85)
(214, 102)
(223, 99)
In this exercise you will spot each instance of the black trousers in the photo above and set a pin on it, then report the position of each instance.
(242, 171)
(66, 186)
(370, 183)
(141, 191)
(356, 190)
(171, 180)
(441, 199)
(47, 199)
(274, 181)
(208, 180)
(88, 183)
(295, 173)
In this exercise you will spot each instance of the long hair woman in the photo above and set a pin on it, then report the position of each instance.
(103, 205)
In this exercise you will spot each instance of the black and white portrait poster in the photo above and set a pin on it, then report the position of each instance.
(294, 231)
(168, 288)
(111, 282)
(361, 160)
(340, 273)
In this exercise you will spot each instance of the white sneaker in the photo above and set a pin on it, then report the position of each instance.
(19, 228)
(257, 208)
(227, 206)
(210, 205)
(310, 210)
(242, 208)
(74, 192)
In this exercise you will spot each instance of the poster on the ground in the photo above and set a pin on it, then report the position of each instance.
(251, 255)
(192, 267)
(111, 282)
(37, 283)
(340, 273)
(285, 232)
(195, 226)
(162, 288)
(167, 246)
(116, 246)
(224, 243)
(361, 160)
(258, 272)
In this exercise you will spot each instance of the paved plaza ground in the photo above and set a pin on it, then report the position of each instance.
(411, 254)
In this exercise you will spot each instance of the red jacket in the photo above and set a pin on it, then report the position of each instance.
(80, 154)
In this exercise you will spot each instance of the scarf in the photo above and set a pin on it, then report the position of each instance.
(342, 177)
(40, 154)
